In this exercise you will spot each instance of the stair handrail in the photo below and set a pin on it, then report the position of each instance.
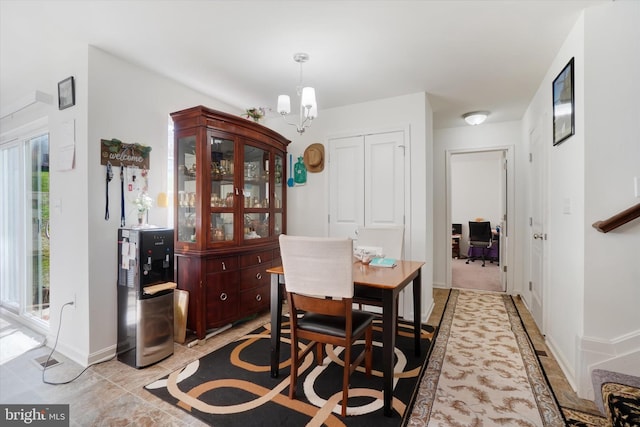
(618, 219)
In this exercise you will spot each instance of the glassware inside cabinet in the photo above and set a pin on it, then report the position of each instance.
(186, 186)
(256, 225)
(278, 224)
(256, 178)
(221, 227)
(279, 179)
(222, 168)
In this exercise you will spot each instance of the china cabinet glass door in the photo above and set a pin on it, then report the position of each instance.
(222, 197)
(279, 179)
(186, 189)
(256, 192)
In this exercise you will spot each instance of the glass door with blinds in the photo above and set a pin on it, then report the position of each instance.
(24, 227)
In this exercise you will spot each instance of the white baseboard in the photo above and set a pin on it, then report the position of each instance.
(620, 354)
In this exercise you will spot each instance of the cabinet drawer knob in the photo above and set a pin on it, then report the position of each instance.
(224, 266)
(259, 260)
(259, 276)
(223, 296)
(258, 297)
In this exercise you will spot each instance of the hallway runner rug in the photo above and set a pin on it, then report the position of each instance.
(483, 370)
(232, 386)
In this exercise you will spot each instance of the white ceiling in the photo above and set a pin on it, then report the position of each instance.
(466, 54)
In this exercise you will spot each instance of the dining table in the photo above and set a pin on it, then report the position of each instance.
(383, 282)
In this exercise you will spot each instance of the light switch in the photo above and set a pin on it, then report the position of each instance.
(566, 205)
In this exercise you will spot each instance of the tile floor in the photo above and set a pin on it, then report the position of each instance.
(111, 393)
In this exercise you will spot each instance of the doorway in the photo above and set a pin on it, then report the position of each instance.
(478, 190)
(24, 227)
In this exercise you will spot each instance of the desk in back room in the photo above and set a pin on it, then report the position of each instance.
(455, 245)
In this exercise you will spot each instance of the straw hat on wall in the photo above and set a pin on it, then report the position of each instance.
(314, 158)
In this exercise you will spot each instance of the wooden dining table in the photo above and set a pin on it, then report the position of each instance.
(384, 281)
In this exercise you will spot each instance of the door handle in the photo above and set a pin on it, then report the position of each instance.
(537, 236)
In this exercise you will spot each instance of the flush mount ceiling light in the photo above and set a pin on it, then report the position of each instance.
(307, 95)
(475, 117)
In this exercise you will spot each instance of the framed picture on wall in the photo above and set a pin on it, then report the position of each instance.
(563, 105)
(66, 93)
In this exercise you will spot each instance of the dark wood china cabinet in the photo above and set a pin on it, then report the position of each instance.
(230, 208)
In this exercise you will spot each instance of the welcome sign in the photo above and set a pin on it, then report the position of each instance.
(118, 153)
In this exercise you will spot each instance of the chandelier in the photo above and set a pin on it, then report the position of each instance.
(307, 95)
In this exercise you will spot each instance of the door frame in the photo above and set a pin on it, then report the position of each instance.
(18, 137)
(507, 232)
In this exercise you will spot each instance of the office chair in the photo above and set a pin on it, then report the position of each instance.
(318, 275)
(480, 236)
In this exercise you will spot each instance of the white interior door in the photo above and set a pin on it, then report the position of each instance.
(537, 236)
(384, 179)
(346, 186)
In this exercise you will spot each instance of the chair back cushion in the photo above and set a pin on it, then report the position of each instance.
(480, 231)
(390, 238)
(319, 266)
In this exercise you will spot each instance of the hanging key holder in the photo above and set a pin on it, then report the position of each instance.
(122, 220)
(109, 177)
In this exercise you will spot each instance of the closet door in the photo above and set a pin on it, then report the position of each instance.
(346, 186)
(384, 179)
(367, 184)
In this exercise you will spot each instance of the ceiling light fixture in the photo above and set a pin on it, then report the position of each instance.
(308, 105)
(475, 117)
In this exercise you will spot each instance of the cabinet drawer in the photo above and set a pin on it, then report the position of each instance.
(255, 276)
(221, 303)
(256, 258)
(254, 300)
(218, 265)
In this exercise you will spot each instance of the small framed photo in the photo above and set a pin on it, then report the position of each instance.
(66, 93)
(564, 114)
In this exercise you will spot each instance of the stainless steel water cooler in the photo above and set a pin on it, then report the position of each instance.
(145, 295)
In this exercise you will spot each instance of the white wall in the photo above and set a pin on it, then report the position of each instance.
(132, 105)
(307, 206)
(73, 262)
(114, 99)
(466, 139)
(612, 160)
(592, 292)
(564, 272)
